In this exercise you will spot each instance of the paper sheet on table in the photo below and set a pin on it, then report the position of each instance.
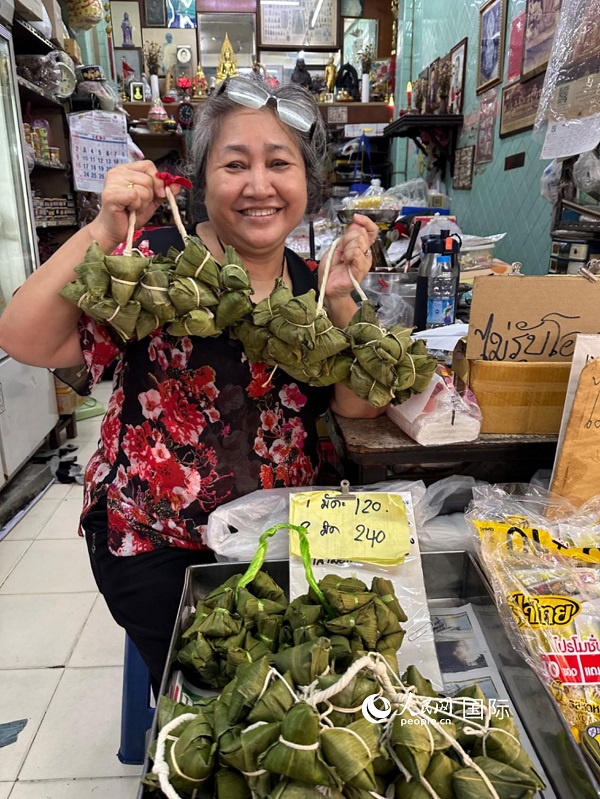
(587, 348)
(571, 137)
(443, 338)
(418, 647)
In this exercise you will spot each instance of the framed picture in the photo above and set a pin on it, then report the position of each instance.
(358, 33)
(230, 6)
(490, 57)
(241, 30)
(464, 159)
(127, 26)
(136, 92)
(458, 56)
(155, 14)
(181, 13)
(515, 48)
(168, 39)
(486, 127)
(520, 103)
(541, 19)
(303, 24)
(432, 101)
(352, 8)
(128, 63)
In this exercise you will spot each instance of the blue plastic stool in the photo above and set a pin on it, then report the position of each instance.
(136, 712)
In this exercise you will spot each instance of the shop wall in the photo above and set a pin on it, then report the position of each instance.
(499, 201)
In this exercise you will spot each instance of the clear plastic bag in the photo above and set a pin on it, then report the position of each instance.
(571, 91)
(543, 562)
(550, 181)
(440, 415)
(586, 173)
(412, 192)
(233, 529)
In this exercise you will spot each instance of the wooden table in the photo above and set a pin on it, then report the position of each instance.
(376, 449)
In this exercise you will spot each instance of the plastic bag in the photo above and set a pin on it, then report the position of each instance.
(84, 14)
(440, 415)
(412, 192)
(550, 181)
(586, 173)
(449, 533)
(546, 579)
(233, 529)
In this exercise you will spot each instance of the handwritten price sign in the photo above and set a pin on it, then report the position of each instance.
(361, 527)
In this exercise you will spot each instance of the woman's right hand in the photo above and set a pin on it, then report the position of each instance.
(127, 187)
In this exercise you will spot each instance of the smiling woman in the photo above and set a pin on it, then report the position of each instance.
(192, 423)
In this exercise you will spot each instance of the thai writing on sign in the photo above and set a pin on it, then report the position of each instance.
(362, 527)
(531, 318)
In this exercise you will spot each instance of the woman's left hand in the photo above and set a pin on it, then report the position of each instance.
(353, 251)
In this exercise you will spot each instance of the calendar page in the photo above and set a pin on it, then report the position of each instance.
(98, 142)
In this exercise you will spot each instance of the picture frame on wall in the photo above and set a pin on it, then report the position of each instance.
(520, 103)
(168, 39)
(486, 129)
(458, 56)
(132, 58)
(241, 30)
(358, 33)
(181, 13)
(432, 86)
(464, 161)
(155, 14)
(126, 23)
(352, 8)
(283, 26)
(541, 20)
(490, 54)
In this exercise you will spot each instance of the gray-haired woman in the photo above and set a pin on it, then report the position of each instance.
(191, 423)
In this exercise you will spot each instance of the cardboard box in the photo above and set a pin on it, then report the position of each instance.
(57, 35)
(30, 10)
(71, 47)
(520, 397)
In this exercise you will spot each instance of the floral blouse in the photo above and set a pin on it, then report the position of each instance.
(191, 424)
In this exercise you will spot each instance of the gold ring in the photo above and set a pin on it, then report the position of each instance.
(367, 251)
(130, 185)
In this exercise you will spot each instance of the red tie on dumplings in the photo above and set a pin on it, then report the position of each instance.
(168, 179)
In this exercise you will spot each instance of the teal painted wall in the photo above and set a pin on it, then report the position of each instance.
(499, 201)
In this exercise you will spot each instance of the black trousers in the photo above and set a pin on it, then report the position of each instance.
(143, 593)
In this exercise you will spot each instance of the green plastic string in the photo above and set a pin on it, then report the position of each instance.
(261, 553)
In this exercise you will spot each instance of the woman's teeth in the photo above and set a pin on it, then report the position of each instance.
(259, 211)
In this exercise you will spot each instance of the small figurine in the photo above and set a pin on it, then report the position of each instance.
(200, 84)
(330, 75)
(127, 29)
(227, 61)
(301, 75)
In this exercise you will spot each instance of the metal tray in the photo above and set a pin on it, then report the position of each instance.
(451, 578)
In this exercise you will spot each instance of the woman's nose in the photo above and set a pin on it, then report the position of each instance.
(259, 183)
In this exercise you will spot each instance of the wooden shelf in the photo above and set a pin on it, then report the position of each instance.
(45, 225)
(142, 136)
(29, 40)
(29, 91)
(442, 130)
(54, 167)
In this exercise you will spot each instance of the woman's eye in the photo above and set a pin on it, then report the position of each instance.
(235, 165)
(279, 163)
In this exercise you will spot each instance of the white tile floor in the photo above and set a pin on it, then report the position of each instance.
(61, 655)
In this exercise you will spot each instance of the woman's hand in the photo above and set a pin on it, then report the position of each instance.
(127, 187)
(353, 252)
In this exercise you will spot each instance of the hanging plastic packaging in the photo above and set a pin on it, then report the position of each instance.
(84, 14)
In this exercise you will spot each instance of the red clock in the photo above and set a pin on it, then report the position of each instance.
(185, 114)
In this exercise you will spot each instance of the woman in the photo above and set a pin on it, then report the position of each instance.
(191, 424)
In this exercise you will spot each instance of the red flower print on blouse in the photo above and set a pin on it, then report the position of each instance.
(260, 383)
(292, 397)
(266, 476)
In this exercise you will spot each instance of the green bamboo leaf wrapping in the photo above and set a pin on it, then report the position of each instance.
(507, 781)
(233, 306)
(300, 726)
(220, 624)
(122, 318)
(275, 702)
(193, 753)
(125, 272)
(196, 261)
(195, 323)
(248, 685)
(231, 785)
(267, 309)
(304, 662)
(74, 291)
(301, 310)
(440, 774)
(384, 589)
(188, 293)
(152, 294)
(352, 759)
(146, 324)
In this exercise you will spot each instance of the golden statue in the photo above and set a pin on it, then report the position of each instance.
(330, 75)
(200, 84)
(169, 81)
(227, 61)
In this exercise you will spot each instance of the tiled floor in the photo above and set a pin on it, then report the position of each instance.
(61, 655)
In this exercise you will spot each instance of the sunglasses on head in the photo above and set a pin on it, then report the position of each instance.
(252, 95)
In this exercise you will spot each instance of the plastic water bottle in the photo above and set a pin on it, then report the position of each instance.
(441, 294)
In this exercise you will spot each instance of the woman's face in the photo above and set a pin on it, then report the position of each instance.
(255, 182)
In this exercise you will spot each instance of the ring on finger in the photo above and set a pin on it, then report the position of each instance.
(368, 251)
(130, 185)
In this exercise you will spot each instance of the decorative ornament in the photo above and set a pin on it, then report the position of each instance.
(228, 67)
